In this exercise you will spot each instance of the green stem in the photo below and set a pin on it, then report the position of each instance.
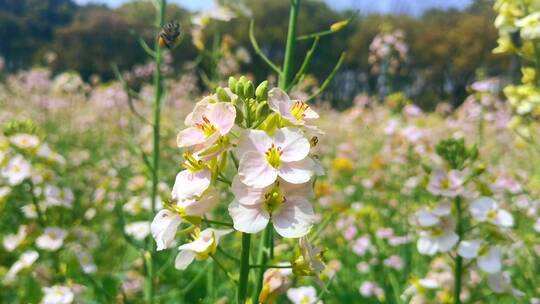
(217, 223)
(158, 87)
(286, 74)
(536, 46)
(262, 260)
(40, 216)
(458, 265)
(244, 268)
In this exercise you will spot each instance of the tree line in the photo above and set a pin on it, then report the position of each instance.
(447, 49)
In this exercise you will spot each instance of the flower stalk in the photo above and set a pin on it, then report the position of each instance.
(244, 268)
(458, 265)
(286, 74)
(262, 261)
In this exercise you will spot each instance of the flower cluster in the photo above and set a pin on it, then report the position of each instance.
(387, 51)
(464, 221)
(265, 135)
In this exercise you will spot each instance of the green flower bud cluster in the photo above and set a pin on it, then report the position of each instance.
(455, 153)
(251, 104)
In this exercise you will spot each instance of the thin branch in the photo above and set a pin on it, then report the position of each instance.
(258, 49)
(270, 266)
(329, 78)
(217, 222)
(218, 263)
(315, 35)
(305, 64)
(129, 94)
(146, 48)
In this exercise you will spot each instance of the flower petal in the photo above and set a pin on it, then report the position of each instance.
(504, 219)
(222, 116)
(248, 218)
(293, 144)
(183, 259)
(481, 207)
(469, 249)
(295, 218)
(491, 262)
(189, 184)
(190, 137)
(246, 195)
(297, 172)
(202, 205)
(164, 227)
(254, 170)
(254, 140)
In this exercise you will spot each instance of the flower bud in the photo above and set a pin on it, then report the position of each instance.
(261, 93)
(338, 26)
(232, 84)
(239, 89)
(249, 89)
(222, 95)
(262, 110)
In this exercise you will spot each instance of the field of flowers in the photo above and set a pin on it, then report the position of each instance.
(262, 193)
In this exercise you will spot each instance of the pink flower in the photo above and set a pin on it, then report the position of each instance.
(446, 184)
(207, 123)
(349, 233)
(394, 261)
(294, 111)
(362, 245)
(286, 204)
(264, 158)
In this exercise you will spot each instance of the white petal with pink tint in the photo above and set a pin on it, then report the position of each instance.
(183, 259)
(255, 171)
(248, 218)
(254, 140)
(190, 137)
(297, 172)
(164, 228)
(222, 116)
(200, 205)
(295, 218)
(246, 195)
(189, 184)
(293, 144)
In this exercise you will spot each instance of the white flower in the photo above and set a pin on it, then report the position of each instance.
(204, 244)
(189, 184)
(284, 203)
(302, 295)
(24, 141)
(446, 184)
(370, 289)
(55, 196)
(166, 222)
(500, 282)
(294, 111)
(429, 217)
(138, 230)
(136, 204)
(25, 261)
(12, 241)
(16, 170)
(264, 158)
(206, 124)
(419, 286)
(488, 258)
(52, 239)
(57, 294)
(486, 209)
(441, 238)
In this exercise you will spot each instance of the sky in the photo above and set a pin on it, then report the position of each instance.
(412, 7)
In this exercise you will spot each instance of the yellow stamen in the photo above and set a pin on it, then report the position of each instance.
(206, 127)
(298, 109)
(273, 156)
